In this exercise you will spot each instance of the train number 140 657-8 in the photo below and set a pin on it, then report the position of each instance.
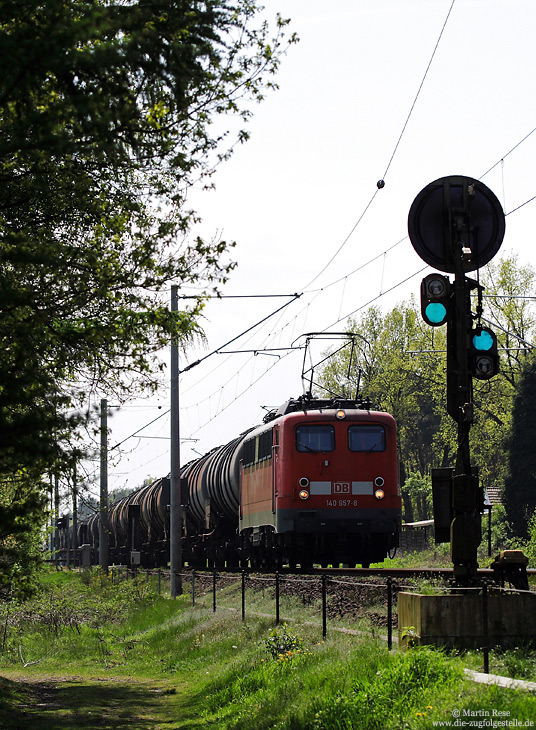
(341, 503)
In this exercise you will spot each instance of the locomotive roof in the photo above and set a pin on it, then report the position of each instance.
(308, 403)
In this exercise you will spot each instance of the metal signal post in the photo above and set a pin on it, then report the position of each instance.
(456, 224)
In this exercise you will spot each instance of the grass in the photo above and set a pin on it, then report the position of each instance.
(116, 656)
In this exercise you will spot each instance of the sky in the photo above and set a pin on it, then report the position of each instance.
(404, 91)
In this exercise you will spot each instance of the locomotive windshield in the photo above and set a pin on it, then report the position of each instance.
(315, 438)
(366, 437)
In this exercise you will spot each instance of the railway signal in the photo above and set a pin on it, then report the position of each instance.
(456, 224)
(435, 299)
(483, 355)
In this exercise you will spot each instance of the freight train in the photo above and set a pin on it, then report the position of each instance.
(315, 483)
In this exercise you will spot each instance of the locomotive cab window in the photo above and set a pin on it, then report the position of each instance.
(366, 437)
(315, 439)
(258, 448)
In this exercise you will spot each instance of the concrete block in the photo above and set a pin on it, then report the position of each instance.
(456, 619)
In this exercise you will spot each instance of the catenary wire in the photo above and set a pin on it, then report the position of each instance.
(508, 153)
(368, 205)
(419, 90)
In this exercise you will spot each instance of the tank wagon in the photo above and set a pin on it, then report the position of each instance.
(317, 482)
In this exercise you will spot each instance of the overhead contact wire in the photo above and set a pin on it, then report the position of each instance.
(343, 244)
(419, 91)
(508, 153)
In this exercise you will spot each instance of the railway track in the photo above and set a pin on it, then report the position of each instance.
(439, 573)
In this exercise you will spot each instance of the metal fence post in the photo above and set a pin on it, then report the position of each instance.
(243, 595)
(389, 612)
(277, 597)
(324, 604)
(214, 592)
(485, 626)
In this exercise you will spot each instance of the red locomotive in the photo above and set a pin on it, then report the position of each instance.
(317, 482)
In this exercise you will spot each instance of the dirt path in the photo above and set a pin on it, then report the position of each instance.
(44, 702)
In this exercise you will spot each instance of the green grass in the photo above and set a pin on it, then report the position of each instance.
(120, 656)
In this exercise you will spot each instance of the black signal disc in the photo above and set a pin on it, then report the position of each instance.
(430, 217)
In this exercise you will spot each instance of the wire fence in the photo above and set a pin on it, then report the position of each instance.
(323, 590)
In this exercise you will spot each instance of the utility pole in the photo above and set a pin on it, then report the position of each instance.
(56, 518)
(175, 511)
(104, 531)
(75, 518)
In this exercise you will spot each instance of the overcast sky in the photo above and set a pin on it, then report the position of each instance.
(302, 193)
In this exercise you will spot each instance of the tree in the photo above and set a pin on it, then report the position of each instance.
(520, 483)
(109, 111)
(402, 362)
(509, 309)
(21, 518)
(400, 370)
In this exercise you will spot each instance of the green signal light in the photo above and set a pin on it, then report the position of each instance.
(483, 341)
(436, 313)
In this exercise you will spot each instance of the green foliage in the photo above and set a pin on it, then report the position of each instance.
(109, 112)
(520, 484)
(419, 488)
(401, 369)
(389, 696)
(508, 286)
(528, 545)
(518, 663)
(281, 643)
(21, 519)
(502, 536)
(401, 362)
(159, 661)
(72, 605)
(107, 117)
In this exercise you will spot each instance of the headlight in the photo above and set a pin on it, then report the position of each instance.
(304, 494)
(340, 414)
(379, 494)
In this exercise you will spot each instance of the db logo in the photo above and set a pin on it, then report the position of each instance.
(341, 487)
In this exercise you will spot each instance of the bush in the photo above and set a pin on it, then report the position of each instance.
(281, 643)
(391, 695)
(68, 605)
